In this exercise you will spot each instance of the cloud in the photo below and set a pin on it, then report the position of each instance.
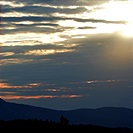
(11, 55)
(87, 27)
(52, 24)
(12, 97)
(31, 18)
(38, 28)
(99, 21)
(43, 10)
(4, 85)
(63, 2)
(45, 17)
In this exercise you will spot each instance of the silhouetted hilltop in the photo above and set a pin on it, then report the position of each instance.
(12, 111)
(1, 101)
(106, 116)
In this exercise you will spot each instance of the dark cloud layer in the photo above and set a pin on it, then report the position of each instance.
(18, 28)
(52, 18)
(97, 57)
(64, 2)
(43, 10)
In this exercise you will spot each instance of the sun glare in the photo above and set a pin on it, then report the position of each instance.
(128, 30)
(122, 11)
(117, 11)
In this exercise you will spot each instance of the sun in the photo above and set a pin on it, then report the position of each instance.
(128, 30)
(117, 11)
(121, 10)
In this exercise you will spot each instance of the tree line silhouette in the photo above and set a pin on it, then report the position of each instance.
(62, 125)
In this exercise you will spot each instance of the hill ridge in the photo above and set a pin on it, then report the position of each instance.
(104, 116)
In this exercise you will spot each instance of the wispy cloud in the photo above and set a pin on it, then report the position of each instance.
(11, 97)
(8, 86)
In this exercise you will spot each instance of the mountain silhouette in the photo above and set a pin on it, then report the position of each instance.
(105, 116)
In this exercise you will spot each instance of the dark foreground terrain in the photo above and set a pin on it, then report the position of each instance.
(63, 125)
(106, 117)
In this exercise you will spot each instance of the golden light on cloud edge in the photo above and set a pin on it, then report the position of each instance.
(106, 81)
(14, 61)
(6, 53)
(8, 86)
(13, 97)
(47, 51)
(11, 3)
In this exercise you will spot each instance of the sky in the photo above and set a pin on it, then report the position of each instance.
(67, 54)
